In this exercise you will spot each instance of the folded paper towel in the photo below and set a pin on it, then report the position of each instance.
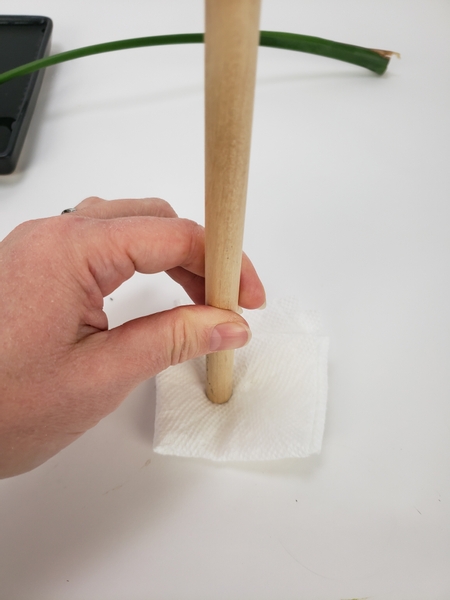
(279, 400)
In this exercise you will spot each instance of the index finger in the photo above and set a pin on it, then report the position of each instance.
(99, 208)
(116, 248)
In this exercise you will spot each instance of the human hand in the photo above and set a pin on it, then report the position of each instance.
(61, 369)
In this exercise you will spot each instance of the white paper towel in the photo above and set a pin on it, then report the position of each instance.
(279, 400)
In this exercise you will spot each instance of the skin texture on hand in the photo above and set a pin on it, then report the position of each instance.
(61, 369)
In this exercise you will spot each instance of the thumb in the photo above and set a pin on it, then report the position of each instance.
(142, 348)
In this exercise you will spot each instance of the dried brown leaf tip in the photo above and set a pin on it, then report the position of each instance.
(386, 53)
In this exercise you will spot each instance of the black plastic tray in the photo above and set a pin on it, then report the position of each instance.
(22, 39)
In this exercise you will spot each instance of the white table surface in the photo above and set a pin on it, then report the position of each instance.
(348, 210)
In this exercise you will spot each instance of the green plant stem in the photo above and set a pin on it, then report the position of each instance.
(375, 60)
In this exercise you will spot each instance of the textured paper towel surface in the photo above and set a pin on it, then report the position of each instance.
(279, 400)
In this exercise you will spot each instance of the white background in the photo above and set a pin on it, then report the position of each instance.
(348, 210)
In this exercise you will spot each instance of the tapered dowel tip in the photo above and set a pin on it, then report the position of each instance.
(219, 376)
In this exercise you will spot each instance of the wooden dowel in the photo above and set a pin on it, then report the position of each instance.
(231, 47)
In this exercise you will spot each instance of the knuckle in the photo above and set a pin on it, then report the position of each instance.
(161, 208)
(184, 341)
(90, 201)
(196, 242)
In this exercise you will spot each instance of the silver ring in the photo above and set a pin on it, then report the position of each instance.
(68, 210)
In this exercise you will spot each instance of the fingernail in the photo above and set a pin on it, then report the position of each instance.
(229, 336)
(263, 306)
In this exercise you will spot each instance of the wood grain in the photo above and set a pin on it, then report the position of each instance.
(231, 47)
